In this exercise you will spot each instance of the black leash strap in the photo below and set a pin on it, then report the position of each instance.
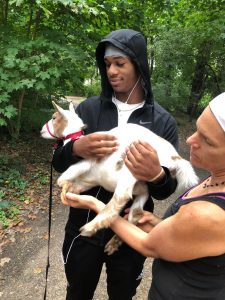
(49, 232)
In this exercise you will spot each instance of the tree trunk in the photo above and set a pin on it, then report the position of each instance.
(197, 86)
(30, 18)
(37, 23)
(151, 58)
(20, 104)
(4, 11)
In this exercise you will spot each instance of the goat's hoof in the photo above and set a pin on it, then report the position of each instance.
(61, 182)
(135, 215)
(87, 230)
(113, 245)
(67, 187)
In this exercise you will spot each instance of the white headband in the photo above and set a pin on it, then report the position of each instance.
(111, 50)
(217, 106)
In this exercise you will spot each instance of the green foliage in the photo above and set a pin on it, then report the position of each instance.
(11, 181)
(32, 121)
(8, 211)
(12, 185)
(189, 43)
(92, 89)
(48, 48)
(33, 67)
(42, 177)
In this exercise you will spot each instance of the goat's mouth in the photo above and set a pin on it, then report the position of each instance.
(43, 132)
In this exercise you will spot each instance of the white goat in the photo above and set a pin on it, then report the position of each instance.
(111, 172)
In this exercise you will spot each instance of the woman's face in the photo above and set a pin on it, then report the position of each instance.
(121, 74)
(207, 144)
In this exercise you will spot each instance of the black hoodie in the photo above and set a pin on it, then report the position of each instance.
(99, 113)
(133, 44)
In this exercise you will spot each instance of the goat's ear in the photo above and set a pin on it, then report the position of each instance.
(71, 107)
(56, 106)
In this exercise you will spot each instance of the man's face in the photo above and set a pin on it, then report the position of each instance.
(121, 74)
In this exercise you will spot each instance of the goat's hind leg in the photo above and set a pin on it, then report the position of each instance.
(136, 212)
(113, 245)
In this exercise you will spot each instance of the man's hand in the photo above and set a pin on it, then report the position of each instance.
(95, 145)
(143, 162)
(146, 221)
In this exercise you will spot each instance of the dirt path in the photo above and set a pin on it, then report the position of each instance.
(23, 277)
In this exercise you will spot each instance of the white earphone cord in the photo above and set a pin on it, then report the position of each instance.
(67, 255)
(128, 98)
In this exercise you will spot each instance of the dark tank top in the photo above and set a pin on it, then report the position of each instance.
(202, 278)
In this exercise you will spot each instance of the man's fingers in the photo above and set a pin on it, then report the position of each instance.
(107, 144)
(102, 152)
(147, 146)
(104, 137)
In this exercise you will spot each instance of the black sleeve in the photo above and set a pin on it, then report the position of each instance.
(164, 188)
(63, 157)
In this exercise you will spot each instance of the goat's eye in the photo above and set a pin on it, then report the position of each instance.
(53, 118)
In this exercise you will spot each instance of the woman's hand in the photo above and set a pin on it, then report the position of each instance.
(83, 201)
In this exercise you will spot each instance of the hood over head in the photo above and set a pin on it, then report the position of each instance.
(133, 44)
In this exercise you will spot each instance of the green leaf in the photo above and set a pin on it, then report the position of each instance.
(43, 75)
(9, 111)
(40, 86)
(29, 83)
(2, 122)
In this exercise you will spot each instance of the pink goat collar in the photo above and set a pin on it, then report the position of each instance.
(73, 136)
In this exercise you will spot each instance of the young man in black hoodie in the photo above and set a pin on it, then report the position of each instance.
(126, 97)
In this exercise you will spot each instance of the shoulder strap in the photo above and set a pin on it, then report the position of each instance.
(216, 198)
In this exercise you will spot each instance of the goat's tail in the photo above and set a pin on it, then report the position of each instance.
(185, 174)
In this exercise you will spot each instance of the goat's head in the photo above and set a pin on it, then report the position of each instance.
(63, 125)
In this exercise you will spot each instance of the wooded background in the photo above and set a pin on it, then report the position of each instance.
(47, 50)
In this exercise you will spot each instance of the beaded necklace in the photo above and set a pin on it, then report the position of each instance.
(207, 184)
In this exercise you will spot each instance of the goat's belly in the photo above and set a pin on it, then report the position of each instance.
(108, 183)
(108, 179)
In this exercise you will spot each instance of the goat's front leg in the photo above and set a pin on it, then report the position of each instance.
(73, 172)
(66, 187)
(121, 196)
(68, 179)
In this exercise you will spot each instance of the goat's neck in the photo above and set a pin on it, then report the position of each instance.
(71, 134)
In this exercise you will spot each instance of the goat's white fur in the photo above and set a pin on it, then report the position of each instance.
(111, 173)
